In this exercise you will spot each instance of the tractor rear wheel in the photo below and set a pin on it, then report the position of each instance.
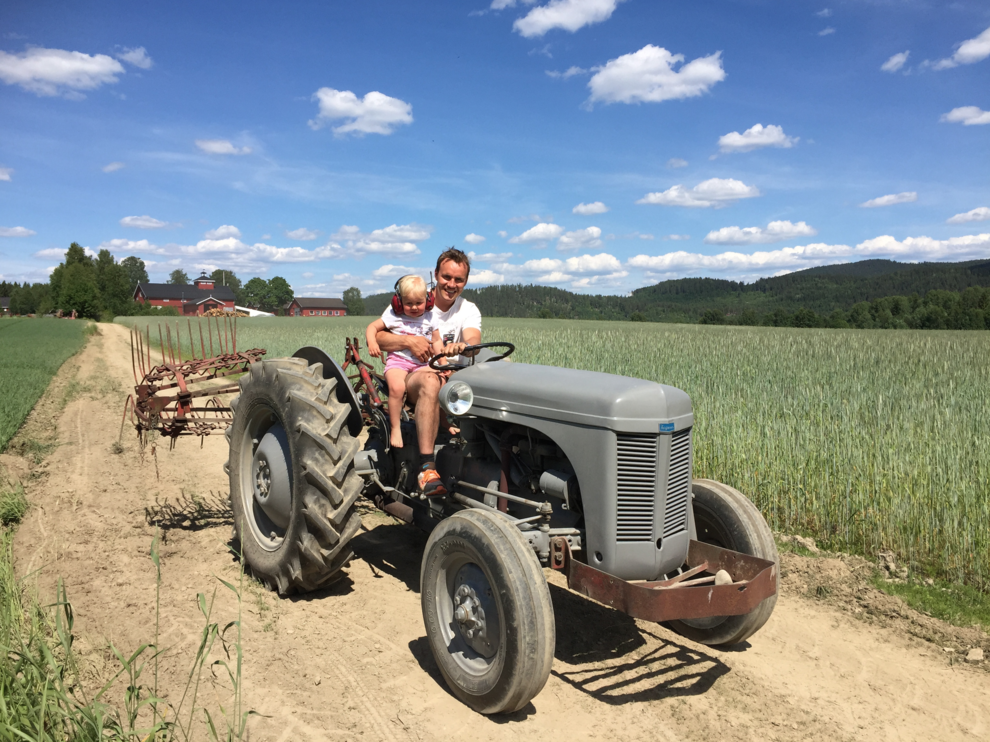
(725, 517)
(292, 479)
(486, 605)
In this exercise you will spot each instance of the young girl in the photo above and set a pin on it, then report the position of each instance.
(414, 320)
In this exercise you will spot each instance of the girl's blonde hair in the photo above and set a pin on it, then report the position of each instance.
(411, 286)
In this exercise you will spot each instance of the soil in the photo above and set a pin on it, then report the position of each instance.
(838, 660)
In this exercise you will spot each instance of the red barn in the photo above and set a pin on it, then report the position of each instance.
(200, 297)
(316, 307)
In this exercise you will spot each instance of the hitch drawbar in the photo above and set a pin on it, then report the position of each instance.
(685, 596)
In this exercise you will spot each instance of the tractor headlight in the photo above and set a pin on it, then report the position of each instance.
(456, 397)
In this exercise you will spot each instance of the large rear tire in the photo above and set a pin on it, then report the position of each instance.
(292, 481)
(725, 517)
(487, 609)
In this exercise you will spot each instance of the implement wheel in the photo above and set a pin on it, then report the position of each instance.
(292, 480)
(725, 517)
(487, 611)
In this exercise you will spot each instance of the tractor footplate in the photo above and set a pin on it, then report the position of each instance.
(695, 593)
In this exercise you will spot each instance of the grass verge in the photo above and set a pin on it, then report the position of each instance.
(959, 605)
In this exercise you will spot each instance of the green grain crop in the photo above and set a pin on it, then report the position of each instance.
(865, 439)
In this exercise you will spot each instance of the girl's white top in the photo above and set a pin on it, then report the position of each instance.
(401, 324)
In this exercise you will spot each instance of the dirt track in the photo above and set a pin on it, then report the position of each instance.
(352, 662)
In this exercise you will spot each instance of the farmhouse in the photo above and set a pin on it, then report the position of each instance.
(200, 297)
(4, 306)
(316, 307)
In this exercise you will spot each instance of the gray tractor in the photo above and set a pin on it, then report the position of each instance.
(582, 472)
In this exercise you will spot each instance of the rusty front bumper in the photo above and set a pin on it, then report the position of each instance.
(691, 594)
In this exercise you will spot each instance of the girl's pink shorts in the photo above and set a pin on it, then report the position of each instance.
(397, 360)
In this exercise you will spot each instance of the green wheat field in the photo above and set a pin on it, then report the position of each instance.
(866, 440)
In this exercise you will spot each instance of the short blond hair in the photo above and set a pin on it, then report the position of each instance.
(411, 286)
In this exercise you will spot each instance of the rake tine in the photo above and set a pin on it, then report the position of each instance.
(147, 346)
(202, 345)
(192, 347)
(161, 340)
(226, 340)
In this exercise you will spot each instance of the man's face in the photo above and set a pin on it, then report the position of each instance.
(451, 280)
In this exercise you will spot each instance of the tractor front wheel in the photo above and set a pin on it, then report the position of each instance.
(486, 605)
(724, 516)
(292, 479)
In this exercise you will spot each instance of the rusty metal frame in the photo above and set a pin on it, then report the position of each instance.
(685, 596)
(365, 377)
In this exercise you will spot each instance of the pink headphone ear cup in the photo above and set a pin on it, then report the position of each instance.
(397, 304)
(430, 300)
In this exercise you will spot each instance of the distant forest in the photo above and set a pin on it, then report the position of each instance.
(867, 294)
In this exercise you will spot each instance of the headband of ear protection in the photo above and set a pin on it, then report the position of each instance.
(397, 298)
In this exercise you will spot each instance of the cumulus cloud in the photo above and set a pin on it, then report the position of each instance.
(474, 239)
(676, 162)
(541, 233)
(138, 57)
(579, 272)
(755, 137)
(222, 232)
(828, 31)
(967, 116)
(486, 277)
(568, 73)
(490, 257)
(503, 234)
(113, 167)
(895, 62)
(569, 15)
(824, 13)
(889, 200)
(775, 232)
(6, 173)
(17, 232)
(677, 237)
(142, 222)
(580, 239)
(302, 234)
(398, 240)
(648, 76)
(596, 207)
(969, 52)
(221, 147)
(712, 193)
(503, 4)
(392, 271)
(979, 214)
(51, 72)
(376, 113)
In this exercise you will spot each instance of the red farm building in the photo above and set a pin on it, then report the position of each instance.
(316, 307)
(200, 297)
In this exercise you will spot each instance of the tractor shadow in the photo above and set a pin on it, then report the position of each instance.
(390, 548)
(189, 512)
(615, 660)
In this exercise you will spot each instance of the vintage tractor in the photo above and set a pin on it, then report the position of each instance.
(583, 472)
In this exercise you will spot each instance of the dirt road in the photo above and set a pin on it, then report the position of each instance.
(352, 662)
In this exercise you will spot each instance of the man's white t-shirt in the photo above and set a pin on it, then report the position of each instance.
(452, 323)
(401, 324)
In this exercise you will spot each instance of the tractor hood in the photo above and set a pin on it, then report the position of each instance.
(591, 398)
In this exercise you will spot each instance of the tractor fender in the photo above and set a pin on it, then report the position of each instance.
(344, 391)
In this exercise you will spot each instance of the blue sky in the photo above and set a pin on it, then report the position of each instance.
(595, 145)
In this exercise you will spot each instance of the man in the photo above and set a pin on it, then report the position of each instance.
(460, 325)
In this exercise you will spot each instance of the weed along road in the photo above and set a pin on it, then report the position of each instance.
(838, 660)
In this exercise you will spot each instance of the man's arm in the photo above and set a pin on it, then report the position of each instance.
(418, 346)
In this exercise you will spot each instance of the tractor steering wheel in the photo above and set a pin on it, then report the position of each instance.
(432, 363)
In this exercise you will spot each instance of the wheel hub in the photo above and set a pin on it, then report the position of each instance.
(271, 485)
(474, 612)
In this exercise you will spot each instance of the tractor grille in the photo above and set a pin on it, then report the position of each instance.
(637, 481)
(678, 484)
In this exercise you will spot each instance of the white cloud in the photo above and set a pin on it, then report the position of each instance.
(50, 72)
(826, 31)
(223, 232)
(712, 193)
(391, 240)
(824, 13)
(542, 232)
(580, 239)
(308, 274)
(895, 62)
(113, 167)
(970, 51)
(138, 57)
(376, 113)
(979, 214)
(142, 222)
(569, 15)
(392, 271)
(596, 207)
(649, 76)
(5, 173)
(889, 200)
(646, 236)
(530, 218)
(221, 147)
(503, 234)
(755, 137)
(302, 234)
(17, 232)
(486, 277)
(474, 239)
(675, 162)
(967, 116)
(567, 74)
(677, 237)
(490, 257)
(775, 232)
(502, 4)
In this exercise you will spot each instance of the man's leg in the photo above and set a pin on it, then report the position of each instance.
(422, 389)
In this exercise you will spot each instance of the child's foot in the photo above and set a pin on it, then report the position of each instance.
(396, 438)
